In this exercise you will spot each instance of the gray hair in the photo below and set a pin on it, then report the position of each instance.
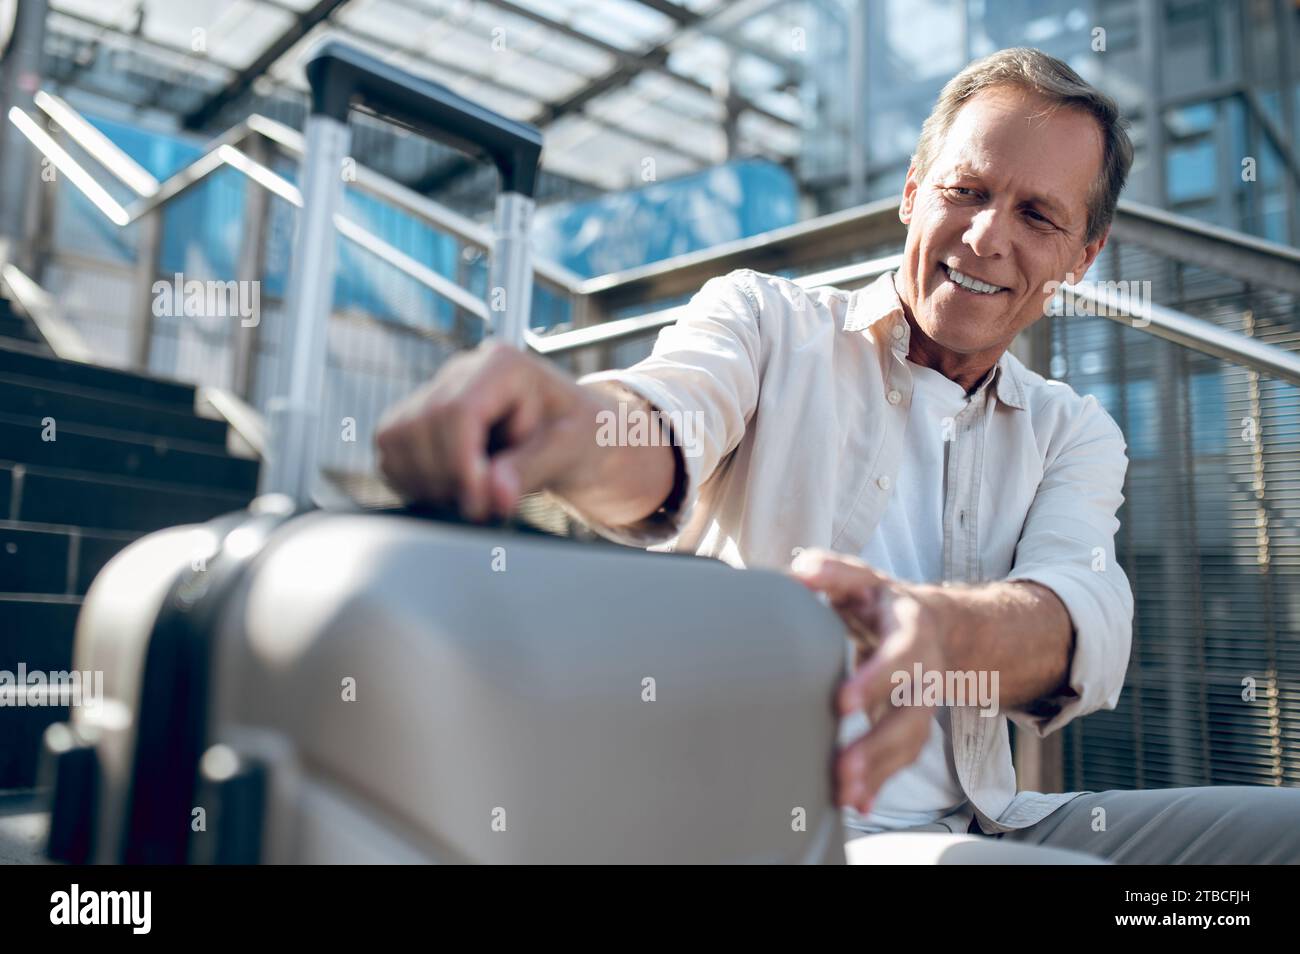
(1047, 76)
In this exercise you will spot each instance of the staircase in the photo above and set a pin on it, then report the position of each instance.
(90, 459)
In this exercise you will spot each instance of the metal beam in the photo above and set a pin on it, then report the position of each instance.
(628, 69)
(732, 14)
(657, 65)
(516, 89)
(1277, 137)
(1151, 20)
(451, 170)
(108, 29)
(21, 69)
(1286, 61)
(455, 167)
(1180, 239)
(81, 64)
(126, 41)
(210, 108)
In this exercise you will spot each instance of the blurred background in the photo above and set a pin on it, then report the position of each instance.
(150, 139)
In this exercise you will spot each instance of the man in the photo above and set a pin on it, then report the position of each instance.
(971, 502)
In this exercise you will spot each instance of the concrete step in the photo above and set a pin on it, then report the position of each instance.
(15, 359)
(41, 398)
(37, 630)
(103, 502)
(24, 827)
(36, 633)
(21, 729)
(52, 559)
(11, 326)
(108, 451)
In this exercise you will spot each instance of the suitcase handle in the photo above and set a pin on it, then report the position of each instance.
(342, 76)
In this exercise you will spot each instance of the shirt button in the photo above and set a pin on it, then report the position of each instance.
(894, 397)
(898, 331)
(883, 481)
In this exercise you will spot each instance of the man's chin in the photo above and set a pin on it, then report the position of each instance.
(960, 342)
(957, 337)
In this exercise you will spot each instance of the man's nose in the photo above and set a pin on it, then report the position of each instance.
(988, 234)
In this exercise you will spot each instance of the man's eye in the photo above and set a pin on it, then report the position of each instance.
(1038, 218)
(962, 191)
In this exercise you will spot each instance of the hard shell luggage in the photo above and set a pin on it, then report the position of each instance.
(292, 685)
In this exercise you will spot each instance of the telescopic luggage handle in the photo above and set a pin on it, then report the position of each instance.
(342, 77)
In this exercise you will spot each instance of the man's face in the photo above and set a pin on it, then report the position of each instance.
(1005, 204)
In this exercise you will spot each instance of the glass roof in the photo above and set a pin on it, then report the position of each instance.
(687, 83)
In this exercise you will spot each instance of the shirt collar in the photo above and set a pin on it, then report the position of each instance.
(880, 300)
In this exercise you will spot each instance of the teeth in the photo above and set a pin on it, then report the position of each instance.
(973, 284)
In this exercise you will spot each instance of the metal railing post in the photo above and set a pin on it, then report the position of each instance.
(510, 274)
(252, 256)
(587, 313)
(294, 412)
(148, 249)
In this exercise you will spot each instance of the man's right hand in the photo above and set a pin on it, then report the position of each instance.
(496, 423)
(434, 445)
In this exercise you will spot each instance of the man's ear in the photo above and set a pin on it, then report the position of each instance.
(910, 185)
(1088, 255)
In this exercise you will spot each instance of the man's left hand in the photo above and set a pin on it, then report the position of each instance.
(895, 626)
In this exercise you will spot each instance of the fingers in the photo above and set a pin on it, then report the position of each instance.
(904, 644)
(434, 446)
(529, 466)
(898, 730)
(493, 424)
(891, 744)
(854, 590)
(839, 576)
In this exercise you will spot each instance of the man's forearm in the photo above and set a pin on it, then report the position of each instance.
(619, 482)
(1021, 630)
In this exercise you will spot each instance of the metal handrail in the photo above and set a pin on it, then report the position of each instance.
(227, 155)
(136, 178)
(151, 194)
(225, 152)
(1244, 257)
(1174, 326)
(33, 301)
(120, 215)
(1182, 329)
(621, 329)
(1193, 242)
(815, 240)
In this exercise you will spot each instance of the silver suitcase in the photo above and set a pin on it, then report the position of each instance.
(286, 685)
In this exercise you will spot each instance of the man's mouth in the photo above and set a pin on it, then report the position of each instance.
(969, 283)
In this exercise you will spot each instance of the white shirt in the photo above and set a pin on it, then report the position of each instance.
(801, 399)
(908, 545)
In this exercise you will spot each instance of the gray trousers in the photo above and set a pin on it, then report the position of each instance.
(1230, 824)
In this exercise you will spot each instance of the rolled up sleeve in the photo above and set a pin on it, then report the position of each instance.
(703, 377)
(1068, 545)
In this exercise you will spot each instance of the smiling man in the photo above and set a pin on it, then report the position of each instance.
(957, 509)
